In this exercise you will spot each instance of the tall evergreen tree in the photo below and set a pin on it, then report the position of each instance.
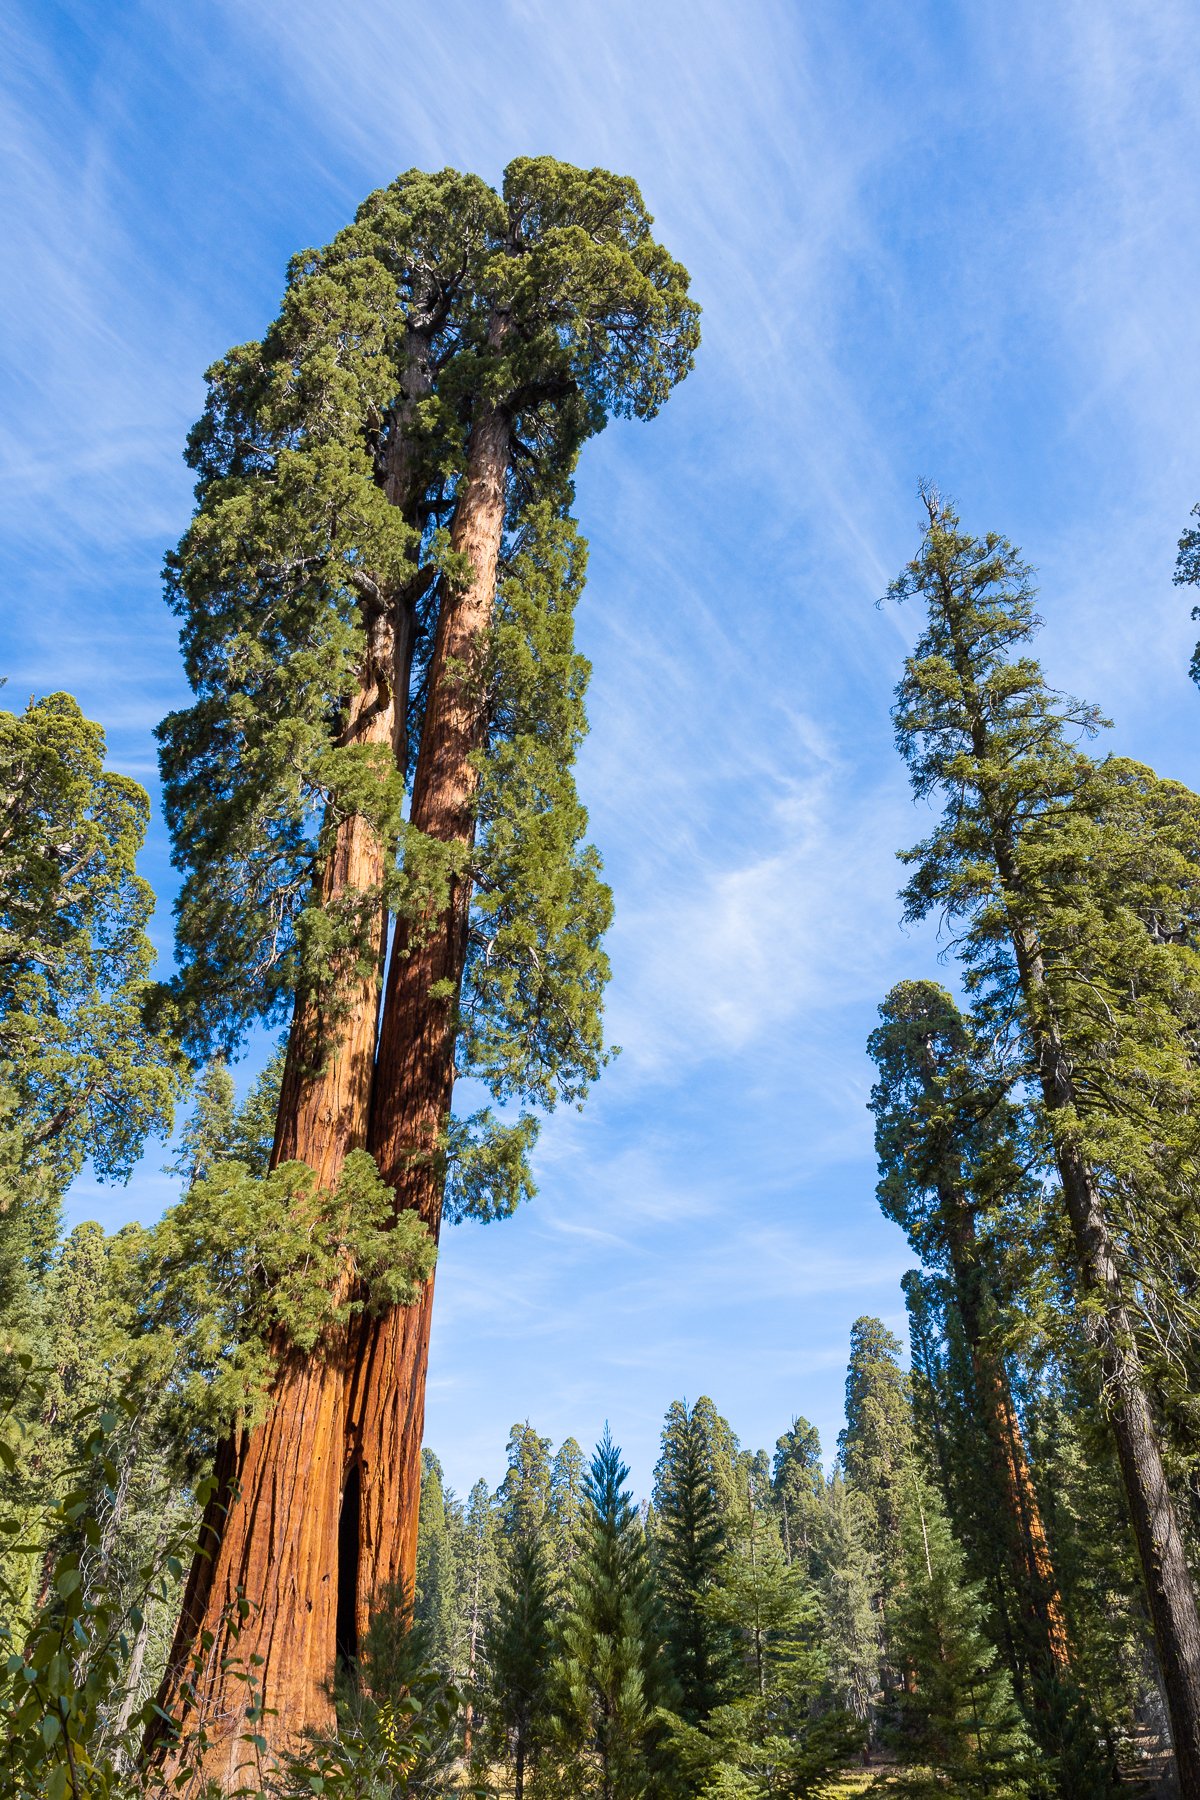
(798, 1482)
(568, 1474)
(846, 1582)
(520, 1641)
(1074, 903)
(875, 1450)
(691, 1548)
(612, 1668)
(523, 1497)
(435, 1610)
(382, 553)
(956, 1175)
(957, 1717)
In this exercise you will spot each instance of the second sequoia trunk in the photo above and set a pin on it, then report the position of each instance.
(414, 1079)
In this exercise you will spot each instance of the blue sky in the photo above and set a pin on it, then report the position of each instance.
(948, 240)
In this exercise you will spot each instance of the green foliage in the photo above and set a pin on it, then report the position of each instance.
(691, 1550)
(1091, 872)
(875, 1449)
(523, 1497)
(242, 1258)
(399, 1726)
(956, 1715)
(519, 1655)
(846, 1579)
(768, 1735)
(88, 1078)
(434, 1600)
(611, 1666)
(568, 1473)
(1187, 570)
(71, 1715)
(797, 1485)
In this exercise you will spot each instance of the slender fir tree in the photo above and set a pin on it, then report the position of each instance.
(611, 1664)
(1074, 903)
(691, 1548)
(520, 1640)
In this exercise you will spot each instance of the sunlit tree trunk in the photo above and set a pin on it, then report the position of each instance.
(270, 1532)
(414, 1078)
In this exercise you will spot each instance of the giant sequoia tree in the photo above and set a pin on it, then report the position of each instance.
(1071, 884)
(383, 561)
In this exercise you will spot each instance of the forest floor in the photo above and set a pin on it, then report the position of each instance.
(850, 1782)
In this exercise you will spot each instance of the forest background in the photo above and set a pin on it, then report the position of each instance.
(949, 242)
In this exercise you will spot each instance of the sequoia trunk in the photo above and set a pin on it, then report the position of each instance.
(414, 1078)
(269, 1542)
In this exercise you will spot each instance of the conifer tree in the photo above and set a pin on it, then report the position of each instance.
(523, 1497)
(519, 1649)
(875, 1449)
(435, 1611)
(1072, 892)
(691, 1548)
(568, 1474)
(585, 316)
(955, 1174)
(382, 554)
(611, 1665)
(206, 1137)
(83, 1077)
(956, 1715)
(846, 1581)
(768, 1735)
(798, 1483)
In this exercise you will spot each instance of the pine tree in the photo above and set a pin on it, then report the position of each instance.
(611, 1666)
(568, 1474)
(523, 1497)
(1074, 896)
(206, 1137)
(435, 1612)
(519, 1655)
(846, 1581)
(798, 1482)
(768, 1736)
(382, 554)
(956, 1714)
(875, 1449)
(479, 1573)
(690, 1550)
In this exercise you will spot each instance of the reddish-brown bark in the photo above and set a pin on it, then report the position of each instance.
(270, 1533)
(414, 1075)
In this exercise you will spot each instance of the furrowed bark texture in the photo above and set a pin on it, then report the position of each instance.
(414, 1078)
(270, 1532)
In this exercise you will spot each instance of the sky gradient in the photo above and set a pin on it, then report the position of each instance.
(953, 241)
